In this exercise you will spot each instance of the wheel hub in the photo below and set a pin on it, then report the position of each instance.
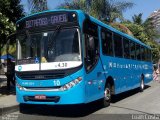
(107, 94)
(142, 84)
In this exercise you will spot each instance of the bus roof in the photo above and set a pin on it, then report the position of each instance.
(98, 22)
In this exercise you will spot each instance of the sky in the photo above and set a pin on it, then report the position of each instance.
(140, 6)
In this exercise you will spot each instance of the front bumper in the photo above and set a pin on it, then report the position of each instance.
(75, 95)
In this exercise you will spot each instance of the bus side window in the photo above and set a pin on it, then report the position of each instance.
(118, 46)
(149, 57)
(126, 48)
(138, 55)
(143, 53)
(146, 54)
(91, 45)
(107, 43)
(133, 50)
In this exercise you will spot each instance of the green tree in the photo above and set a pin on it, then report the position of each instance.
(12, 9)
(105, 10)
(74, 4)
(10, 12)
(114, 9)
(147, 26)
(137, 19)
(37, 6)
(6, 28)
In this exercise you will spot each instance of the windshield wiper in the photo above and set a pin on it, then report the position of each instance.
(50, 43)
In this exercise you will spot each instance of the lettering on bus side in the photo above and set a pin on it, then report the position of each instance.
(127, 66)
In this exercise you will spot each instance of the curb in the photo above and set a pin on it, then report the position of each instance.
(9, 109)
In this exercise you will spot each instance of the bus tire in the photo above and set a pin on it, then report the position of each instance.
(142, 85)
(107, 96)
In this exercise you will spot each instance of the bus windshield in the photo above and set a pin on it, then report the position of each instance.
(51, 46)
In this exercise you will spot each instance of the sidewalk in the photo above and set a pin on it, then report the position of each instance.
(7, 97)
(8, 103)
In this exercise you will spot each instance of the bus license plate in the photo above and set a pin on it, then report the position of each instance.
(40, 97)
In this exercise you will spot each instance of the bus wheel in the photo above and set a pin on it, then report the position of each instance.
(142, 85)
(107, 96)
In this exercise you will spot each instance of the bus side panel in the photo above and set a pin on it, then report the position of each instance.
(148, 74)
(126, 73)
(113, 67)
(94, 83)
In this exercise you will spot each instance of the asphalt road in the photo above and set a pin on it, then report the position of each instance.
(129, 105)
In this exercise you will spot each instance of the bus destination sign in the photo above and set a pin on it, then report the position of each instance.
(45, 21)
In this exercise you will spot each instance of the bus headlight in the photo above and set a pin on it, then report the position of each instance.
(71, 84)
(19, 86)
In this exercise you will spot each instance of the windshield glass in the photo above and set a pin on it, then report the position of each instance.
(52, 46)
(62, 45)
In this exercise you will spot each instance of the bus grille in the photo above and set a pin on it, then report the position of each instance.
(40, 76)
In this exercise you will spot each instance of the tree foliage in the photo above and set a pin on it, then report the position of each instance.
(10, 12)
(6, 28)
(137, 19)
(105, 10)
(12, 9)
(37, 6)
(147, 25)
(121, 27)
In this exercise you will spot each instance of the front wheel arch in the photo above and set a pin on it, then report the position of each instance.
(108, 92)
(110, 81)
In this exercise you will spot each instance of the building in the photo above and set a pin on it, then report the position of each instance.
(156, 21)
